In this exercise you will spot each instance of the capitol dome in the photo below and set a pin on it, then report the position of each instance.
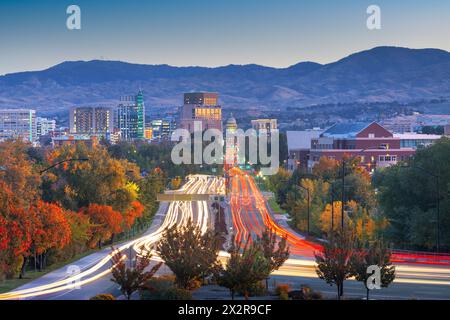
(231, 123)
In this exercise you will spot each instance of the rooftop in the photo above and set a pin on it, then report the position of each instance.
(345, 130)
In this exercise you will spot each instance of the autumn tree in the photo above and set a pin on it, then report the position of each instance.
(326, 168)
(276, 252)
(16, 241)
(102, 180)
(149, 188)
(334, 261)
(245, 268)
(132, 278)
(378, 254)
(132, 214)
(50, 230)
(189, 253)
(105, 223)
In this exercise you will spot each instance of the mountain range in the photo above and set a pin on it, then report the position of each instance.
(381, 74)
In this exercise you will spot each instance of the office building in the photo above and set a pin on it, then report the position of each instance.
(91, 120)
(18, 123)
(202, 108)
(415, 122)
(44, 126)
(131, 117)
(163, 128)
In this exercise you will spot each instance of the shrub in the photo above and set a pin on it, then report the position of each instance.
(194, 285)
(103, 296)
(284, 296)
(177, 294)
(163, 288)
(305, 293)
(258, 289)
(282, 288)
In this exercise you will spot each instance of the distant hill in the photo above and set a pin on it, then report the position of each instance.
(381, 74)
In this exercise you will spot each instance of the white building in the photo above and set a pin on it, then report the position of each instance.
(44, 126)
(416, 140)
(299, 146)
(18, 123)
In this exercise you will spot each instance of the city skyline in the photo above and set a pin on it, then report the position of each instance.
(267, 34)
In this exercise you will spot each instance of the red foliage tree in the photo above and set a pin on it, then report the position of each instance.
(105, 222)
(51, 228)
(132, 214)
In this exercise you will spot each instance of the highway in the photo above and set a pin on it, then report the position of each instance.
(417, 276)
(95, 270)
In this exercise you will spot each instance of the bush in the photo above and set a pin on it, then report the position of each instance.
(258, 289)
(163, 288)
(177, 294)
(284, 296)
(194, 285)
(282, 288)
(103, 296)
(305, 293)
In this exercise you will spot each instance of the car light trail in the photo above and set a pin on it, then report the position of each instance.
(178, 213)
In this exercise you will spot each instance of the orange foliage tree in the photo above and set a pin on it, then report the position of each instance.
(132, 214)
(105, 223)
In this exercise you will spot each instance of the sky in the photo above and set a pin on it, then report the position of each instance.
(277, 33)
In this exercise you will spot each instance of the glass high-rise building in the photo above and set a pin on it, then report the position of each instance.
(131, 117)
(18, 123)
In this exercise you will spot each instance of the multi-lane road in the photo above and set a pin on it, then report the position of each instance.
(94, 270)
(417, 276)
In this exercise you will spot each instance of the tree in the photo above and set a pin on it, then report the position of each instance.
(334, 261)
(131, 279)
(133, 213)
(105, 223)
(189, 253)
(17, 241)
(379, 255)
(408, 196)
(149, 188)
(102, 180)
(244, 270)
(50, 229)
(276, 252)
(326, 168)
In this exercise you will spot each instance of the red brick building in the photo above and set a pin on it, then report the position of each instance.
(372, 143)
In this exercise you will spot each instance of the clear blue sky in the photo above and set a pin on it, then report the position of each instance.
(33, 34)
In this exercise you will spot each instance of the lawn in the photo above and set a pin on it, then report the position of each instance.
(275, 207)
